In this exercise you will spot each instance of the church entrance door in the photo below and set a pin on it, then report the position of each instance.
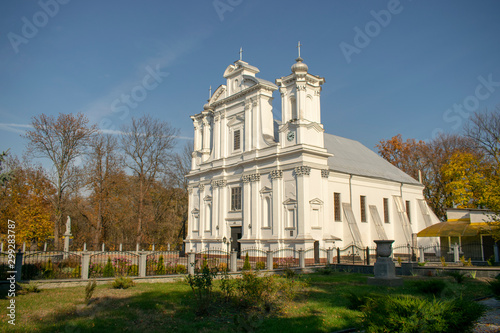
(236, 235)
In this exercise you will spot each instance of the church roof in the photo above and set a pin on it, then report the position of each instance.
(351, 157)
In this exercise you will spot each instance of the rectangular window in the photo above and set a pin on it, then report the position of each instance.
(290, 219)
(336, 207)
(408, 210)
(386, 210)
(362, 202)
(236, 198)
(237, 140)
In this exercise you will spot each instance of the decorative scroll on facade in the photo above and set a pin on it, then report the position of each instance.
(325, 173)
(302, 171)
(251, 178)
(275, 174)
(219, 183)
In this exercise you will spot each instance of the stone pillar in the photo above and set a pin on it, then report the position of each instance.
(191, 262)
(142, 264)
(270, 260)
(19, 265)
(329, 256)
(302, 259)
(277, 203)
(234, 261)
(85, 266)
(302, 199)
(421, 257)
(246, 226)
(384, 268)
(456, 253)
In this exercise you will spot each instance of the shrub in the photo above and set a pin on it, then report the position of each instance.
(246, 265)
(491, 261)
(181, 269)
(89, 290)
(223, 267)
(48, 270)
(123, 282)
(459, 277)
(443, 262)
(133, 270)
(289, 273)
(160, 266)
(109, 270)
(227, 286)
(266, 293)
(77, 272)
(465, 262)
(31, 287)
(410, 314)
(357, 300)
(260, 265)
(495, 286)
(462, 314)
(431, 286)
(201, 284)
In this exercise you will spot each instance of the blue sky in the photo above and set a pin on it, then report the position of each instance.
(409, 67)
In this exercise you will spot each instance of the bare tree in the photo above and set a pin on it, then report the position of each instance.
(484, 130)
(61, 140)
(148, 145)
(102, 164)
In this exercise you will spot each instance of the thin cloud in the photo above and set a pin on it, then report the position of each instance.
(15, 128)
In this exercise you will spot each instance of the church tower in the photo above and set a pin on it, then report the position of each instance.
(300, 107)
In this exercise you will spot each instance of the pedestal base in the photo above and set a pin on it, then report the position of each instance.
(391, 282)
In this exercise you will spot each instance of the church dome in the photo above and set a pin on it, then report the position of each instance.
(299, 66)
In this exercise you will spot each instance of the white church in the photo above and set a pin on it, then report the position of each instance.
(269, 184)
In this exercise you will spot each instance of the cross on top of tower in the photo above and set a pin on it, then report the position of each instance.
(298, 46)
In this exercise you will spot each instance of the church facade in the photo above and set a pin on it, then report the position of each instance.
(257, 182)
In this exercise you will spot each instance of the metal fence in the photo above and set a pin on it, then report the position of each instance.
(51, 265)
(113, 263)
(257, 259)
(213, 259)
(315, 256)
(352, 254)
(165, 263)
(285, 258)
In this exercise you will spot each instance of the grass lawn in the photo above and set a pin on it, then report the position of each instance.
(170, 307)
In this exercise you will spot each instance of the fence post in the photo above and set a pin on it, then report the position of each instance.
(102, 247)
(421, 257)
(233, 262)
(329, 256)
(302, 259)
(367, 256)
(142, 264)
(495, 251)
(19, 265)
(137, 247)
(191, 262)
(270, 260)
(409, 252)
(352, 246)
(338, 255)
(456, 253)
(85, 266)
